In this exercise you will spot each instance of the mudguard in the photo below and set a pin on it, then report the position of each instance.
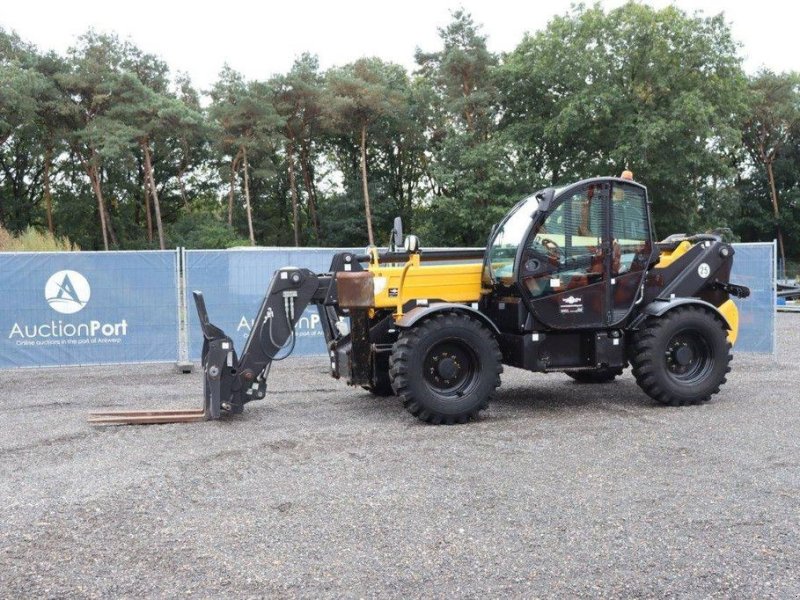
(658, 307)
(420, 312)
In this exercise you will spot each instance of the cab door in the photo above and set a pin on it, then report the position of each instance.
(632, 247)
(565, 261)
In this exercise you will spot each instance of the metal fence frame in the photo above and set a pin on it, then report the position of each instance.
(773, 245)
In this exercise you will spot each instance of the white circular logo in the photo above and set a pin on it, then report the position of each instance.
(704, 270)
(67, 291)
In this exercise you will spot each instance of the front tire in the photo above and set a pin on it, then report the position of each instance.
(446, 368)
(682, 357)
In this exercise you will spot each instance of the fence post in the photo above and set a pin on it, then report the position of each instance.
(183, 364)
(774, 279)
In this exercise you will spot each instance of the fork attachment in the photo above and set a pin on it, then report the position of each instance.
(229, 382)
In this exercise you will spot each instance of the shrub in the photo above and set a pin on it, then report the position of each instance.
(203, 230)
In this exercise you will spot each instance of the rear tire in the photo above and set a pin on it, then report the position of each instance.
(446, 368)
(605, 375)
(682, 357)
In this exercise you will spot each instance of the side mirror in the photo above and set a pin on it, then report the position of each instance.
(396, 236)
(412, 244)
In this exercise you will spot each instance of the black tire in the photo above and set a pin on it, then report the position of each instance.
(682, 357)
(446, 368)
(606, 375)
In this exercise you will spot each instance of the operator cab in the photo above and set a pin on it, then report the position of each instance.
(570, 258)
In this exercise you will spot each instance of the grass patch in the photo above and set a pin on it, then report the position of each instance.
(33, 240)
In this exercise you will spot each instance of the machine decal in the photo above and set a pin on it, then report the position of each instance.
(571, 305)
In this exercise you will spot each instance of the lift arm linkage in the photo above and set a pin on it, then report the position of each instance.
(229, 381)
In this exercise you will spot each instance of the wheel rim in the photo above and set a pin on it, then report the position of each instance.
(689, 357)
(450, 368)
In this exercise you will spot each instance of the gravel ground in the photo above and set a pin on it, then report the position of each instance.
(324, 491)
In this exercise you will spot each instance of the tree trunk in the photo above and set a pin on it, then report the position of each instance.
(308, 181)
(776, 212)
(367, 208)
(146, 201)
(247, 198)
(149, 216)
(48, 200)
(94, 177)
(293, 188)
(231, 192)
(148, 173)
(101, 209)
(112, 236)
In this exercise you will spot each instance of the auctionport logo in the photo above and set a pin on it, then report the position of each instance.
(67, 292)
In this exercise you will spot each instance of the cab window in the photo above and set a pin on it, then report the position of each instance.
(565, 252)
(629, 228)
(508, 238)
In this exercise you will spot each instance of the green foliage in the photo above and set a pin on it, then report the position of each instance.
(655, 91)
(771, 133)
(469, 168)
(311, 156)
(363, 101)
(204, 230)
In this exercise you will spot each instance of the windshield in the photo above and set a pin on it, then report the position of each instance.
(508, 238)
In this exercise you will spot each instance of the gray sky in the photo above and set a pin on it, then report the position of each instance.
(262, 38)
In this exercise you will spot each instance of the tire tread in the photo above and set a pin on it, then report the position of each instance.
(645, 359)
(400, 369)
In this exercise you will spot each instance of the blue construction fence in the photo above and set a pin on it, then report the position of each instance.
(755, 265)
(81, 308)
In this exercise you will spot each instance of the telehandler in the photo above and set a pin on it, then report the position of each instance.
(571, 280)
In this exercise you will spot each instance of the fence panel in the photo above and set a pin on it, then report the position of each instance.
(754, 266)
(74, 308)
(233, 283)
(118, 307)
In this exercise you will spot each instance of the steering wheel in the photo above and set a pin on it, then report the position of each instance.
(551, 247)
